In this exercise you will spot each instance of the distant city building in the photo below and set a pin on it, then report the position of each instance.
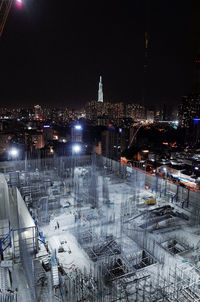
(47, 133)
(76, 133)
(135, 111)
(101, 113)
(113, 142)
(110, 145)
(166, 112)
(100, 91)
(4, 142)
(150, 114)
(38, 140)
(196, 131)
(189, 109)
(94, 109)
(34, 139)
(38, 113)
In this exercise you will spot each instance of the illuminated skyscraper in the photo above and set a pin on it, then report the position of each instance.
(38, 112)
(100, 91)
(76, 133)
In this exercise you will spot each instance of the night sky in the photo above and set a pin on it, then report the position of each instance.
(53, 51)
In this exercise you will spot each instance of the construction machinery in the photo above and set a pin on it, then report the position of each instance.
(150, 200)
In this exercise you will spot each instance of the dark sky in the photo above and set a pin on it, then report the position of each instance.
(53, 51)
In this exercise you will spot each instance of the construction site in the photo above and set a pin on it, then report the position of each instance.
(87, 228)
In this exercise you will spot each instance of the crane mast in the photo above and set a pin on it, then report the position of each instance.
(5, 6)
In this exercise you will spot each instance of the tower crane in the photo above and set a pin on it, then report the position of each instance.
(5, 6)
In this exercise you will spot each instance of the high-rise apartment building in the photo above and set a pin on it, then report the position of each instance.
(189, 109)
(114, 141)
(112, 111)
(189, 117)
(77, 133)
(38, 112)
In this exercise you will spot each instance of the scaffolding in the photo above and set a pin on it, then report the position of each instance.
(131, 252)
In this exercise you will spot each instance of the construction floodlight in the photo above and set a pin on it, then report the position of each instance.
(78, 127)
(13, 152)
(76, 148)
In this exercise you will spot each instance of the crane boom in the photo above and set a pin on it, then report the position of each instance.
(5, 6)
(134, 136)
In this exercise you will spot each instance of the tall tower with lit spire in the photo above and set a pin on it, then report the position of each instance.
(100, 91)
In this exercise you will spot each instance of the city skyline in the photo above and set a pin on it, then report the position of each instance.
(54, 58)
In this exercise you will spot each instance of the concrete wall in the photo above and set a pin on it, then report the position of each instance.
(44, 163)
(112, 166)
(4, 199)
(157, 183)
(25, 219)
